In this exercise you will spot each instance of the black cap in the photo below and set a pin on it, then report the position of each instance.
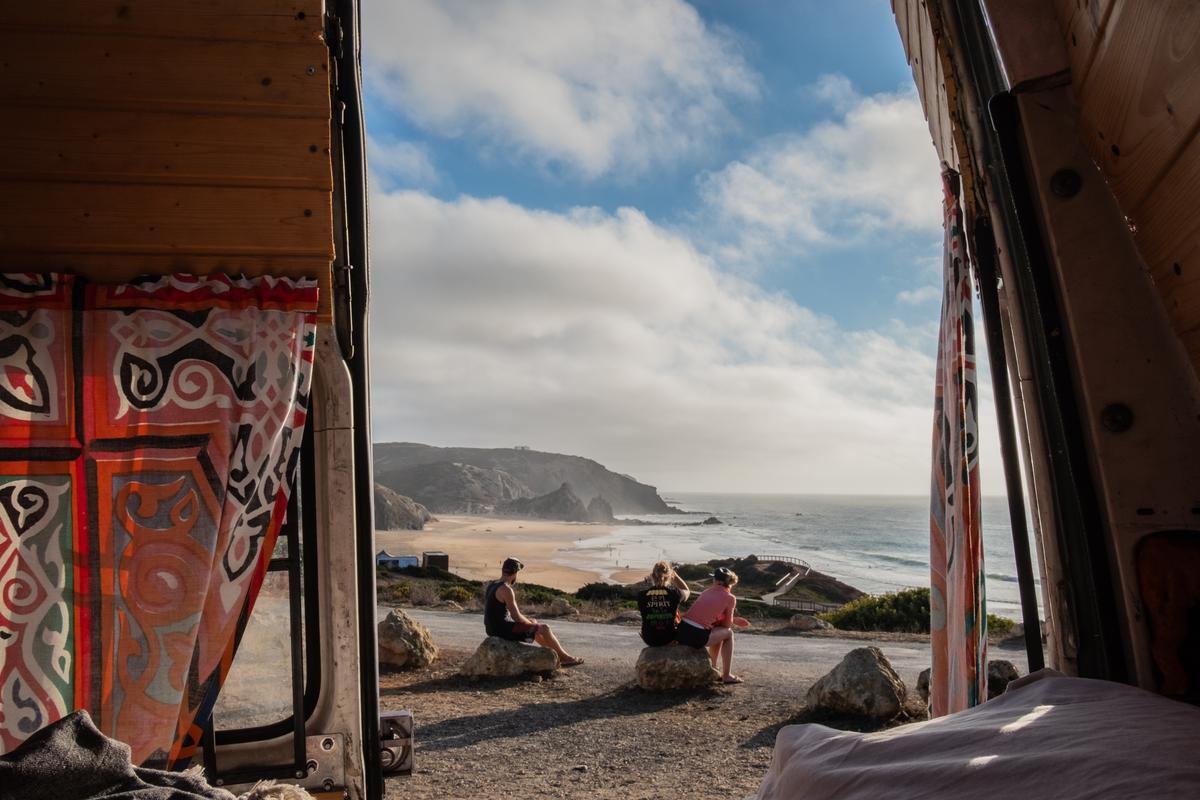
(511, 566)
(722, 574)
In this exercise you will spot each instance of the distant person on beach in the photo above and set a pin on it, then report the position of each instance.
(502, 617)
(710, 621)
(659, 605)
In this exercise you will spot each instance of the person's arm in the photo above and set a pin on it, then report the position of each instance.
(682, 586)
(740, 622)
(506, 595)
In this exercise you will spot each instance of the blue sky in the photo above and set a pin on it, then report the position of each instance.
(699, 242)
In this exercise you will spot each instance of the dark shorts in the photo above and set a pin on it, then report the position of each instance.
(515, 631)
(691, 635)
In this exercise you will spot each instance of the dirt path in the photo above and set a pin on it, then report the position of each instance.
(590, 732)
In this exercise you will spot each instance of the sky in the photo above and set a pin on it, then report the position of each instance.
(699, 242)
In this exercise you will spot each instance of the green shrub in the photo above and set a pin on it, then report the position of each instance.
(398, 593)
(605, 592)
(457, 594)
(535, 593)
(899, 612)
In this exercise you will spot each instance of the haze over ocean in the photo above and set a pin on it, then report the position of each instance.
(875, 543)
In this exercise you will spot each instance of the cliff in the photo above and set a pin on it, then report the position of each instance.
(395, 512)
(538, 473)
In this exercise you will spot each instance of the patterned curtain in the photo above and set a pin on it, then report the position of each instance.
(958, 621)
(149, 435)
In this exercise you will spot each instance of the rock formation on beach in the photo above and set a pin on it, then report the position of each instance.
(599, 510)
(454, 488)
(395, 512)
(562, 504)
(529, 473)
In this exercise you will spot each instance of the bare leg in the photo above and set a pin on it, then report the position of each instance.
(546, 638)
(717, 639)
(726, 656)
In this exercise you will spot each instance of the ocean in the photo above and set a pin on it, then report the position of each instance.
(877, 544)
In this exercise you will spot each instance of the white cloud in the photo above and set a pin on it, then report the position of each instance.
(593, 87)
(395, 163)
(607, 336)
(920, 296)
(870, 170)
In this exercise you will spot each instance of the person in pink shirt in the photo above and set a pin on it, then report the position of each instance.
(710, 622)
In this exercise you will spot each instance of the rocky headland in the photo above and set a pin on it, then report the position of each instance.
(456, 480)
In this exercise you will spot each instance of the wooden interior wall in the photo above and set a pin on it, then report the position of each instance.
(1135, 70)
(920, 48)
(152, 136)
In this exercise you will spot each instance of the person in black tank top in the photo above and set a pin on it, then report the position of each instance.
(503, 618)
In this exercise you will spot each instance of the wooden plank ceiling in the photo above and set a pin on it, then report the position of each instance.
(153, 136)
(920, 48)
(1135, 70)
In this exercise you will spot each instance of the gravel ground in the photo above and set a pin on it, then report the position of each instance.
(590, 732)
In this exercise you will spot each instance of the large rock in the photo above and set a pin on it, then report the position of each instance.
(923, 685)
(863, 684)
(599, 510)
(562, 504)
(404, 643)
(674, 667)
(807, 622)
(500, 658)
(395, 512)
(1000, 674)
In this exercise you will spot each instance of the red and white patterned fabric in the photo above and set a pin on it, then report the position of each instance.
(958, 622)
(149, 436)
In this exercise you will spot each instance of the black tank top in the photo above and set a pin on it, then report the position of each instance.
(494, 612)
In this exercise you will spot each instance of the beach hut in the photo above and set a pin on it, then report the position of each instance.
(435, 558)
(392, 561)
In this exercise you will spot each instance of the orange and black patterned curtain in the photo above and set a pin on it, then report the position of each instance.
(958, 622)
(149, 437)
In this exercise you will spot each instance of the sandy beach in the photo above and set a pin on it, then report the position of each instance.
(477, 546)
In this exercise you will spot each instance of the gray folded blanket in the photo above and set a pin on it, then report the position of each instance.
(72, 759)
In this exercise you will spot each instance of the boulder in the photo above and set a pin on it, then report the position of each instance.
(629, 615)
(712, 521)
(500, 658)
(404, 643)
(807, 622)
(674, 667)
(1000, 674)
(863, 684)
(923, 685)
(560, 607)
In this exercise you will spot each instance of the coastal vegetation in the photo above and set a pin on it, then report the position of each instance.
(906, 611)
(431, 586)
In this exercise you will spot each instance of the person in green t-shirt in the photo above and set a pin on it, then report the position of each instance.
(659, 605)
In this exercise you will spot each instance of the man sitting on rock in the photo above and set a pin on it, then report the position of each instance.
(502, 617)
(659, 605)
(708, 623)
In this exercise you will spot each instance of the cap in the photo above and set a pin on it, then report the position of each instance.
(511, 566)
(722, 574)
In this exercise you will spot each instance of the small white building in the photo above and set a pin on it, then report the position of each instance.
(392, 561)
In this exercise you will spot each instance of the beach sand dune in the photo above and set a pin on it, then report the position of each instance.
(553, 552)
